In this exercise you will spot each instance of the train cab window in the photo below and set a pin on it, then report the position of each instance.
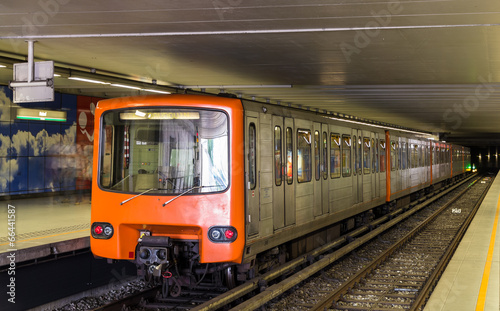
(252, 156)
(346, 155)
(334, 155)
(317, 155)
(304, 156)
(164, 151)
(324, 160)
(382, 155)
(366, 155)
(278, 169)
(289, 156)
(107, 156)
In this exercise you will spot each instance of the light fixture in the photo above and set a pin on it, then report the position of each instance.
(88, 80)
(41, 115)
(126, 86)
(155, 91)
(3, 66)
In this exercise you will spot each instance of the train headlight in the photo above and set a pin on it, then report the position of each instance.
(145, 253)
(101, 230)
(219, 234)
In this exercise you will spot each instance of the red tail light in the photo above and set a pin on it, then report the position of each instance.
(222, 234)
(101, 230)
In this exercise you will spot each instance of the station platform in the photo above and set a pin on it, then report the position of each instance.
(471, 280)
(44, 226)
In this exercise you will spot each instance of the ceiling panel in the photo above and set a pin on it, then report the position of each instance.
(428, 65)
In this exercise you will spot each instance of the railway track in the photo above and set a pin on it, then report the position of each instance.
(367, 279)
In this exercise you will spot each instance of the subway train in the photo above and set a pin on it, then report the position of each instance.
(201, 188)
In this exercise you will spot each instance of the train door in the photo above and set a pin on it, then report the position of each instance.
(279, 169)
(251, 176)
(290, 171)
(357, 180)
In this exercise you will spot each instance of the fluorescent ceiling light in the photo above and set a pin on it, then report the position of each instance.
(56, 75)
(87, 80)
(126, 86)
(156, 91)
(3, 66)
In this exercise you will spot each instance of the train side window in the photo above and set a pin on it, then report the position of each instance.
(355, 150)
(346, 155)
(252, 156)
(360, 155)
(304, 156)
(366, 155)
(334, 155)
(324, 164)
(382, 155)
(374, 156)
(413, 156)
(317, 155)
(278, 169)
(393, 155)
(404, 155)
(289, 156)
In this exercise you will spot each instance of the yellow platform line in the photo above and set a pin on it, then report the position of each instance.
(481, 299)
(46, 236)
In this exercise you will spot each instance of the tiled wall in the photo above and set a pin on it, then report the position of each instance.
(46, 156)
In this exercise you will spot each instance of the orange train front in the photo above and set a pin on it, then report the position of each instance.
(169, 170)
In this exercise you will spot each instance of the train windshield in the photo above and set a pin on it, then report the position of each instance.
(164, 151)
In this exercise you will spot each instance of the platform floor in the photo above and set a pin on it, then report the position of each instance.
(471, 280)
(44, 226)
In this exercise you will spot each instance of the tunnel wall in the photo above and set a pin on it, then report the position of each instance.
(46, 156)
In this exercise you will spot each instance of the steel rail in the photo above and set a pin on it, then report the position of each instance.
(345, 288)
(430, 284)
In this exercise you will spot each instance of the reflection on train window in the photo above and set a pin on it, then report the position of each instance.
(324, 160)
(278, 169)
(252, 156)
(393, 155)
(317, 155)
(289, 156)
(334, 155)
(346, 155)
(165, 151)
(366, 155)
(382, 155)
(304, 161)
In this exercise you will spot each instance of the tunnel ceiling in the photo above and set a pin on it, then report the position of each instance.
(427, 65)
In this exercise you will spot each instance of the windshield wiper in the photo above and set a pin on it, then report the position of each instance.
(180, 195)
(125, 201)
